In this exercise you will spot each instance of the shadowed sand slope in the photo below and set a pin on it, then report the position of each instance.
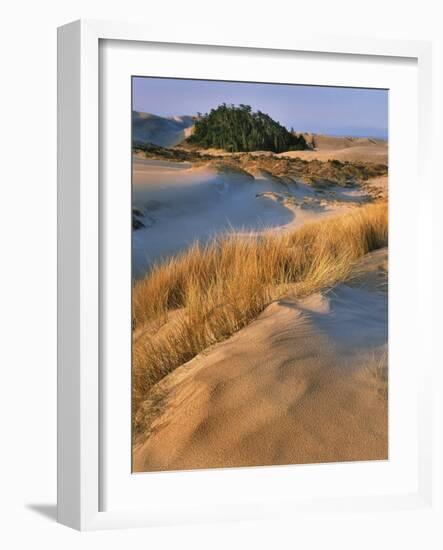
(181, 204)
(163, 131)
(301, 384)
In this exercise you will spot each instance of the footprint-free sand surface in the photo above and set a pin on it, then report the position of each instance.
(182, 204)
(304, 383)
(344, 149)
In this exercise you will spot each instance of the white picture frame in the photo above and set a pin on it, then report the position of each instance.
(80, 412)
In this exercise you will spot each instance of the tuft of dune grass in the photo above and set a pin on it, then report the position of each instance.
(378, 368)
(207, 293)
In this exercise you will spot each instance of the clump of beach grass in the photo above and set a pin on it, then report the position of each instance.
(206, 294)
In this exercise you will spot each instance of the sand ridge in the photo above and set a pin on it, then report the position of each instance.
(298, 385)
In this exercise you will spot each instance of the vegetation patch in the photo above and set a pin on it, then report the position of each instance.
(240, 129)
(314, 172)
(208, 293)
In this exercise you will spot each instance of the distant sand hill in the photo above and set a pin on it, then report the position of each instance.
(353, 149)
(166, 132)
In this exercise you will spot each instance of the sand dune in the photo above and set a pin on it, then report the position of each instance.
(323, 141)
(306, 380)
(301, 384)
(182, 204)
(344, 149)
(163, 131)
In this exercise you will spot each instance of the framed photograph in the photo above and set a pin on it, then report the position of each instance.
(239, 227)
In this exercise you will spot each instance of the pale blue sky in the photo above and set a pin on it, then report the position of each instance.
(320, 109)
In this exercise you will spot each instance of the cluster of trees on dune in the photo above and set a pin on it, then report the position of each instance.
(240, 129)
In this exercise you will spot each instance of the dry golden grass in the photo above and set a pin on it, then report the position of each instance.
(204, 295)
(378, 367)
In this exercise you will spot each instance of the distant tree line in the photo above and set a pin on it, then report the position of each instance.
(240, 129)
